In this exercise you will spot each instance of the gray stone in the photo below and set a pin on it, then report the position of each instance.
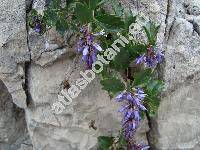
(13, 47)
(13, 130)
(176, 124)
(53, 60)
(71, 128)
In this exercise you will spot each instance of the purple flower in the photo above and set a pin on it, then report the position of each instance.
(140, 147)
(132, 105)
(151, 58)
(159, 56)
(38, 28)
(102, 32)
(140, 59)
(88, 47)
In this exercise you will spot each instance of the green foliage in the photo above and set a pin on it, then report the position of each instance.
(153, 89)
(151, 31)
(121, 61)
(122, 141)
(104, 142)
(136, 49)
(117, 7)
(142, 78)
(112, 85)
(152, 86)
(84, 13)
(129, 19)
(110, 22)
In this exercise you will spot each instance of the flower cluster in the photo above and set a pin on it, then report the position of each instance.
(88, 47)
(132, 105)
(151, 58)
(36, 23)
(38, 28)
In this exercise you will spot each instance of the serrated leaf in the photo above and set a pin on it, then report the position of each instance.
(136, 50)
(129, 19)
(83, 13)
(152, 103)
(110, 22)
(104, 142)
(61, 26)
(151, 31)
(121, 61)
(142, 78)
(112, 85)
(153, 89)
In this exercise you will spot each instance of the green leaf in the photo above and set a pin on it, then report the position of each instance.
(142, 78)
(33, 14)
(142, 114)
(93, 4)
(104, 142)
(129, 19)
(117, 7)
(83, 13)
(121, 61)
(154, 87)
(51, 17)
(151, 31)
(112, 85)
(122, 140)
(61, 26)
(110, 22)
(136, 49)
(152, 103)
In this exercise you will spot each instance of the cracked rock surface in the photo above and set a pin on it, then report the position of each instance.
(31, 75)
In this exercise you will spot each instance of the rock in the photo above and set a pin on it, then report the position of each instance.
(192, 7)
(52, 57)
(178, 118)
(176, 124)
(183, 53)
(71, 128)
(13, 130)
(13, 48)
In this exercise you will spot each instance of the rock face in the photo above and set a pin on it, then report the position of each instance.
(32, 68)
(13, 132)
(178, 114)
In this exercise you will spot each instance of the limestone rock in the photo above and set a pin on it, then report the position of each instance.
(53, 60)
(13, 130)
(176, 123)
(13, 47)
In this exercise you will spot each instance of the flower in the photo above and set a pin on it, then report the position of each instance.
(151, 58)
(140, 147)
(88, 47)
(132, 105)
(38, 28)
(102, 32)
